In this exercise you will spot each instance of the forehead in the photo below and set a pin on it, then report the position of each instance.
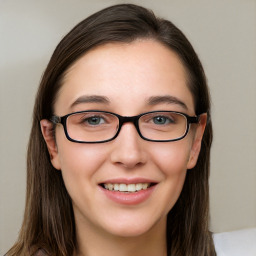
(126, 73)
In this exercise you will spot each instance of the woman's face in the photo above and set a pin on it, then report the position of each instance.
(125, 78)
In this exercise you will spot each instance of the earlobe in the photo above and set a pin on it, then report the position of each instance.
(47, 132)
(196, 146)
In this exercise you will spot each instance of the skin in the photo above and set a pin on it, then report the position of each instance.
(128, 75)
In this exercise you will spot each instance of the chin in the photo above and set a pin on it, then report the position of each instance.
(129, 232)
(135, 227)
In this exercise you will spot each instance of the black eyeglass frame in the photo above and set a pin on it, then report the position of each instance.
(124, 119)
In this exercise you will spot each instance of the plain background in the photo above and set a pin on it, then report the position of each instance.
(224, 35)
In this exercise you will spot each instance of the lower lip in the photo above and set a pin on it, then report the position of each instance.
(130, 198)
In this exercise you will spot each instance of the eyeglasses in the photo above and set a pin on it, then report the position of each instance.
(100, 126)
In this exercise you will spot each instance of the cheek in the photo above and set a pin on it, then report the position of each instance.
(172, 158)
(79, 166)
(79, 162)
(172, 161)
(78, 157)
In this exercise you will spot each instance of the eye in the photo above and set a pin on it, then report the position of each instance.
(94, 120)
(162, 120)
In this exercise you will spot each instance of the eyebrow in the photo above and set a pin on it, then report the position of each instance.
(154, 100)
(91, 99)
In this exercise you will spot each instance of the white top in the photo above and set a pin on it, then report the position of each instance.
(236, 243)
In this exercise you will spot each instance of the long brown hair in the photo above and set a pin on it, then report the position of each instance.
(48, 219)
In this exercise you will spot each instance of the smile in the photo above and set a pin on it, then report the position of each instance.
(126, 187)
(128, 192)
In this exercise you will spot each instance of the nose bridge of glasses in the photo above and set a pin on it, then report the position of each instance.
(129, 119)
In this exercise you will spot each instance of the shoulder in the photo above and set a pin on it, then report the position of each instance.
(236, 243)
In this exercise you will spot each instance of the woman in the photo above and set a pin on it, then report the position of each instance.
(118, 157)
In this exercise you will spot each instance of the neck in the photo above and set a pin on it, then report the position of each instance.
(93, 242)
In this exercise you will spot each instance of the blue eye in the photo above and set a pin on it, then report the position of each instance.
(94, 120)
(162, 120)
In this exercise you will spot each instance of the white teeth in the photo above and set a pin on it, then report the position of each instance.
(122, 187)
(131, 188)
(144, 186)
(110, 186)
(126, 187)
(138, 186)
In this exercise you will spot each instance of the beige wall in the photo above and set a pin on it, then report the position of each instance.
(224, 35)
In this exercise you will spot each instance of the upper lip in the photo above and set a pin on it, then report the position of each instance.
(128, 181)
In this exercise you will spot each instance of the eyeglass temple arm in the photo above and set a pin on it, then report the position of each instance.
(55, 119)
(193, 119)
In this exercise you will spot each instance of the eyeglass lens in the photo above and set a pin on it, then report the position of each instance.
(101, 126)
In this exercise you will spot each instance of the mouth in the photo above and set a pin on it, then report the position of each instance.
(126, 188)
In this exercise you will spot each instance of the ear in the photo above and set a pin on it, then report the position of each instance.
(196, 145)
(48, 134)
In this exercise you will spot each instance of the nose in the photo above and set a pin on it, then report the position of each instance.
(128, 148)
